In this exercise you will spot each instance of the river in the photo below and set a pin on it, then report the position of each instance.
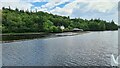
(88, 49)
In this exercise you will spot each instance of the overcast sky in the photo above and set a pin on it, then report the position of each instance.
(86, 9)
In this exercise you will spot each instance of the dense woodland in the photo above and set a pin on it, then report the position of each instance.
(20, 21)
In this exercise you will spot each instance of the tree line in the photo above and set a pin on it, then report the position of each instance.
(20, 21)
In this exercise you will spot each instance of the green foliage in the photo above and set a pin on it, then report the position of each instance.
(20, 21)
(47, 25)
(102, 26)
(55, 29)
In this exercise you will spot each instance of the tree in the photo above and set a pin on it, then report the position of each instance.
(22, 11)
(15, 21)
(3, 8)
(102, 26)
(54, 29)
(47, 25)
(16, 9)
(112, 22)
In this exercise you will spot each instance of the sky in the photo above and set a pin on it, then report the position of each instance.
(86, 9)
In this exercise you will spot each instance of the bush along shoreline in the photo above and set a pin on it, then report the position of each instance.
(20, 21)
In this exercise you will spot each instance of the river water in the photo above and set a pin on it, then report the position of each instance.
(88, 49)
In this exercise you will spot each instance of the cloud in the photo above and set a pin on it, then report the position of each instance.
(20, 5)
(53, 3)
(66, 10)
(23, 5)
(105, 9)
(23, 0)
(9, 0)
(50, 5)
(102, 6)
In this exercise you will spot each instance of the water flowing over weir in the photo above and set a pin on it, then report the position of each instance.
(90, 49)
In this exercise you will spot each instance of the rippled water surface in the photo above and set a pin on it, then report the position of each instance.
(93, 49)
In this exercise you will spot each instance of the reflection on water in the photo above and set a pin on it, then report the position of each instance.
(28, 36)
(91, 49)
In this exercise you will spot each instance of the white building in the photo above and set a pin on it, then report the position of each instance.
(62, 27)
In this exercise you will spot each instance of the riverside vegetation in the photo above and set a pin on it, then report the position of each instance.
(20, 21)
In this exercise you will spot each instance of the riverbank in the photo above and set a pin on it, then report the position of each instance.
(11, 37)
(5, 34)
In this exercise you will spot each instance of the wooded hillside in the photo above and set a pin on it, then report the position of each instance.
(19, 21)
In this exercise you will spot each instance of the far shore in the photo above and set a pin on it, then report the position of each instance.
(31, 33)
(41, 33)
(37, 33)
(11, 37)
